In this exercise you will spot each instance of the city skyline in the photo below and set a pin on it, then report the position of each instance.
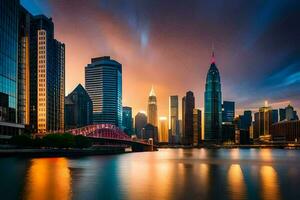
(134, 42)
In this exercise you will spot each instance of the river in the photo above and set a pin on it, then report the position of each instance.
(165, 174)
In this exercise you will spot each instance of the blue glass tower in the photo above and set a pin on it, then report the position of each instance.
(212, 104)
(103, 81)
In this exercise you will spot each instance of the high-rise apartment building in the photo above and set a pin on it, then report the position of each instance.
(47, 79)
(197, 128)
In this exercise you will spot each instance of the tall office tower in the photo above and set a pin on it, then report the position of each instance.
(127, 121)
(228, 111)
(103, 81)
(197, 127)
(212, 104)
(188, 118)
(182, 121)
(244, 121)
(9, 19)
(152, 108)
(256, 128)
(274, 116)
(282, 115)
(140, 121)
(163, 130)
(47, 81)
(173, 120)
(263, 122)
(24, 67)
(78, 108)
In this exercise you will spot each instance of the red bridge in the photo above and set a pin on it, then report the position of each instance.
(110, 134)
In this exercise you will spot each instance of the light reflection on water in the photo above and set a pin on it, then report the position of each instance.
(166, 174)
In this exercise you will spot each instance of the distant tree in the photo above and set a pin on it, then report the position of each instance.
(22, 140)
(82, 142)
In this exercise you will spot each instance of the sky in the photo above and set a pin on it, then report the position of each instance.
(168, 44)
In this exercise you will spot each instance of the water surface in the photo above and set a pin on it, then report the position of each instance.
(166, 174)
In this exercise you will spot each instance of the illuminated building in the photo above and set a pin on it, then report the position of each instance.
(103, 82)
(152, 108)
(9, 46)
(140, 121)
(173, 120)
(197, 127)
(127, 120)
(24, 67)
(286, 131)
(188, 118)
(78, 108)
(228, 111)
(212, 105)
(47, 77)
(163, 129)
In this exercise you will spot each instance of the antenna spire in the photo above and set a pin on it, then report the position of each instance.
(213, 53)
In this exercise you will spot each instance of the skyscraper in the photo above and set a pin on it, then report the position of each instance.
(47, 80)
(188, 118)
(197, 127)
(9, 20)
(163, 130)
(78, 108)
(173, 120)
(24, 67)
(212, 104)
(263, 122)
(282, 115)
(103, 81)
(140, 122)
(152, 108)
(228, 111)
(127, 120)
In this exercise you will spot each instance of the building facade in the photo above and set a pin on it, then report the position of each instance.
(9, 46)
(152, 108)
(103, 82)
(78, 108)
(47, 79)
(140, 122)
(228, 111)
(286, 131)
(127, 120)
(173, 120)
(212, 105)
(188, 118)
(197, 128)
(163, 130)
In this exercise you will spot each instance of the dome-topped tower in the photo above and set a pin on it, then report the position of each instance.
(212, 104)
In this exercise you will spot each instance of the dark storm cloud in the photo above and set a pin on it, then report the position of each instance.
(257, 43)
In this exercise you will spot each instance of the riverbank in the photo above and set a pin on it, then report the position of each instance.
(61, 152)
(254, 146)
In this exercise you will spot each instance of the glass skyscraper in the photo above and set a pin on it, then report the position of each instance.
(9, 19)
(212, 104)
(79, 108)
(103, 81)
(228, 111)
(127, 120)
(188, 118)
